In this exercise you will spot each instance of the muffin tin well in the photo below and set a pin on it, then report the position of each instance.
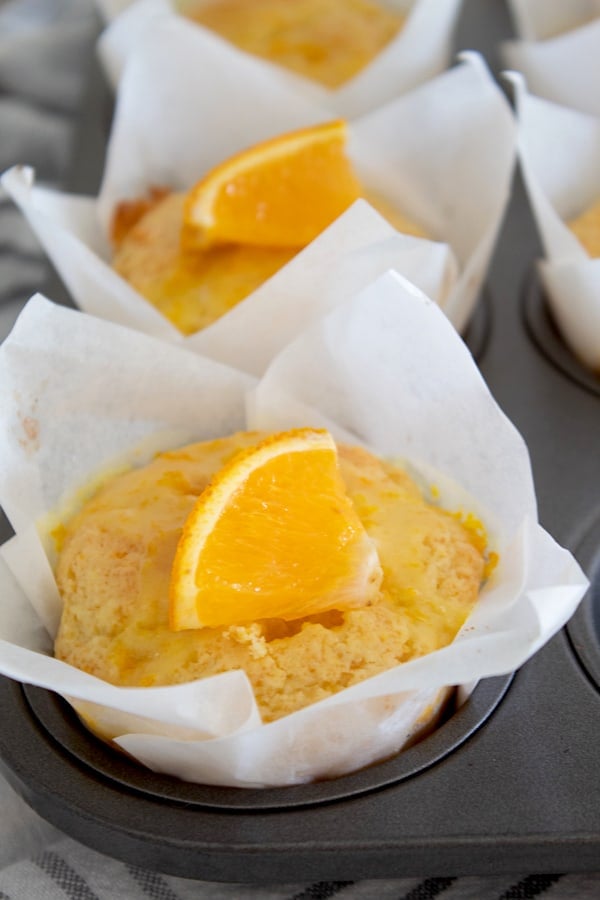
(62, 725)
(544, 332)
(584, 627)
(479, 328)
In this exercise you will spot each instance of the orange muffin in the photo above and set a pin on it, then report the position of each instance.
(328, 41)
(190, 287)
(196, 255)
(115, 574)
(586, 229)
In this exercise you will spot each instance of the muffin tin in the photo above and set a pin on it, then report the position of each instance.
(509, 782)
(544, 332)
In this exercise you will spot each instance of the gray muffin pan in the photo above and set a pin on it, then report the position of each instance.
(510, 782)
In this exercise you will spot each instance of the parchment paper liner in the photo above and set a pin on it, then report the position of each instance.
(450, 171)
(533, 20)
(559, 152)
(421, 51)
(558, 51)
(386, 369)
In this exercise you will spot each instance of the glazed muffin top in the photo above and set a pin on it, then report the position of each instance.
(115, 567)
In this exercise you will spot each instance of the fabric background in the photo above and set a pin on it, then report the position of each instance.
(45, 49)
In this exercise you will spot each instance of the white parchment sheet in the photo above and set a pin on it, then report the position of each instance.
(385, 369)
(558, 50)
(442, 154)
(559, 152)
(421, 50)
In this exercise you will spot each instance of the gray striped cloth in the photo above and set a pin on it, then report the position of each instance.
(44, 45)
(43, 48)
(68, 870)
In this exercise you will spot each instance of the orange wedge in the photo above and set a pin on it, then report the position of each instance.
(274, 535)
(280, 193)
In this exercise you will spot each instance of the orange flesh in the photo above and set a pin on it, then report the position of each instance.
(280, 193)
(287, 544)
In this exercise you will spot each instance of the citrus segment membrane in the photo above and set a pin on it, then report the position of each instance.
(274, 535)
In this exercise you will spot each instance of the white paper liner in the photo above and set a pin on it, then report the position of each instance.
(421, 51)
(451, 172)
(386, 368)
(559, 152)
(558, 51)
(534, 20)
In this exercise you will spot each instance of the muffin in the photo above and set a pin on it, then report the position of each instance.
(164, 254)
(328, 41)
(191, 288)
(115, 567)
(586, 229)
(390, 368)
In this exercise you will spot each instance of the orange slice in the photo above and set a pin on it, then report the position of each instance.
(274, 535)
(280, 193)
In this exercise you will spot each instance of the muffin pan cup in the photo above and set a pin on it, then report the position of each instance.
(509, 783)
